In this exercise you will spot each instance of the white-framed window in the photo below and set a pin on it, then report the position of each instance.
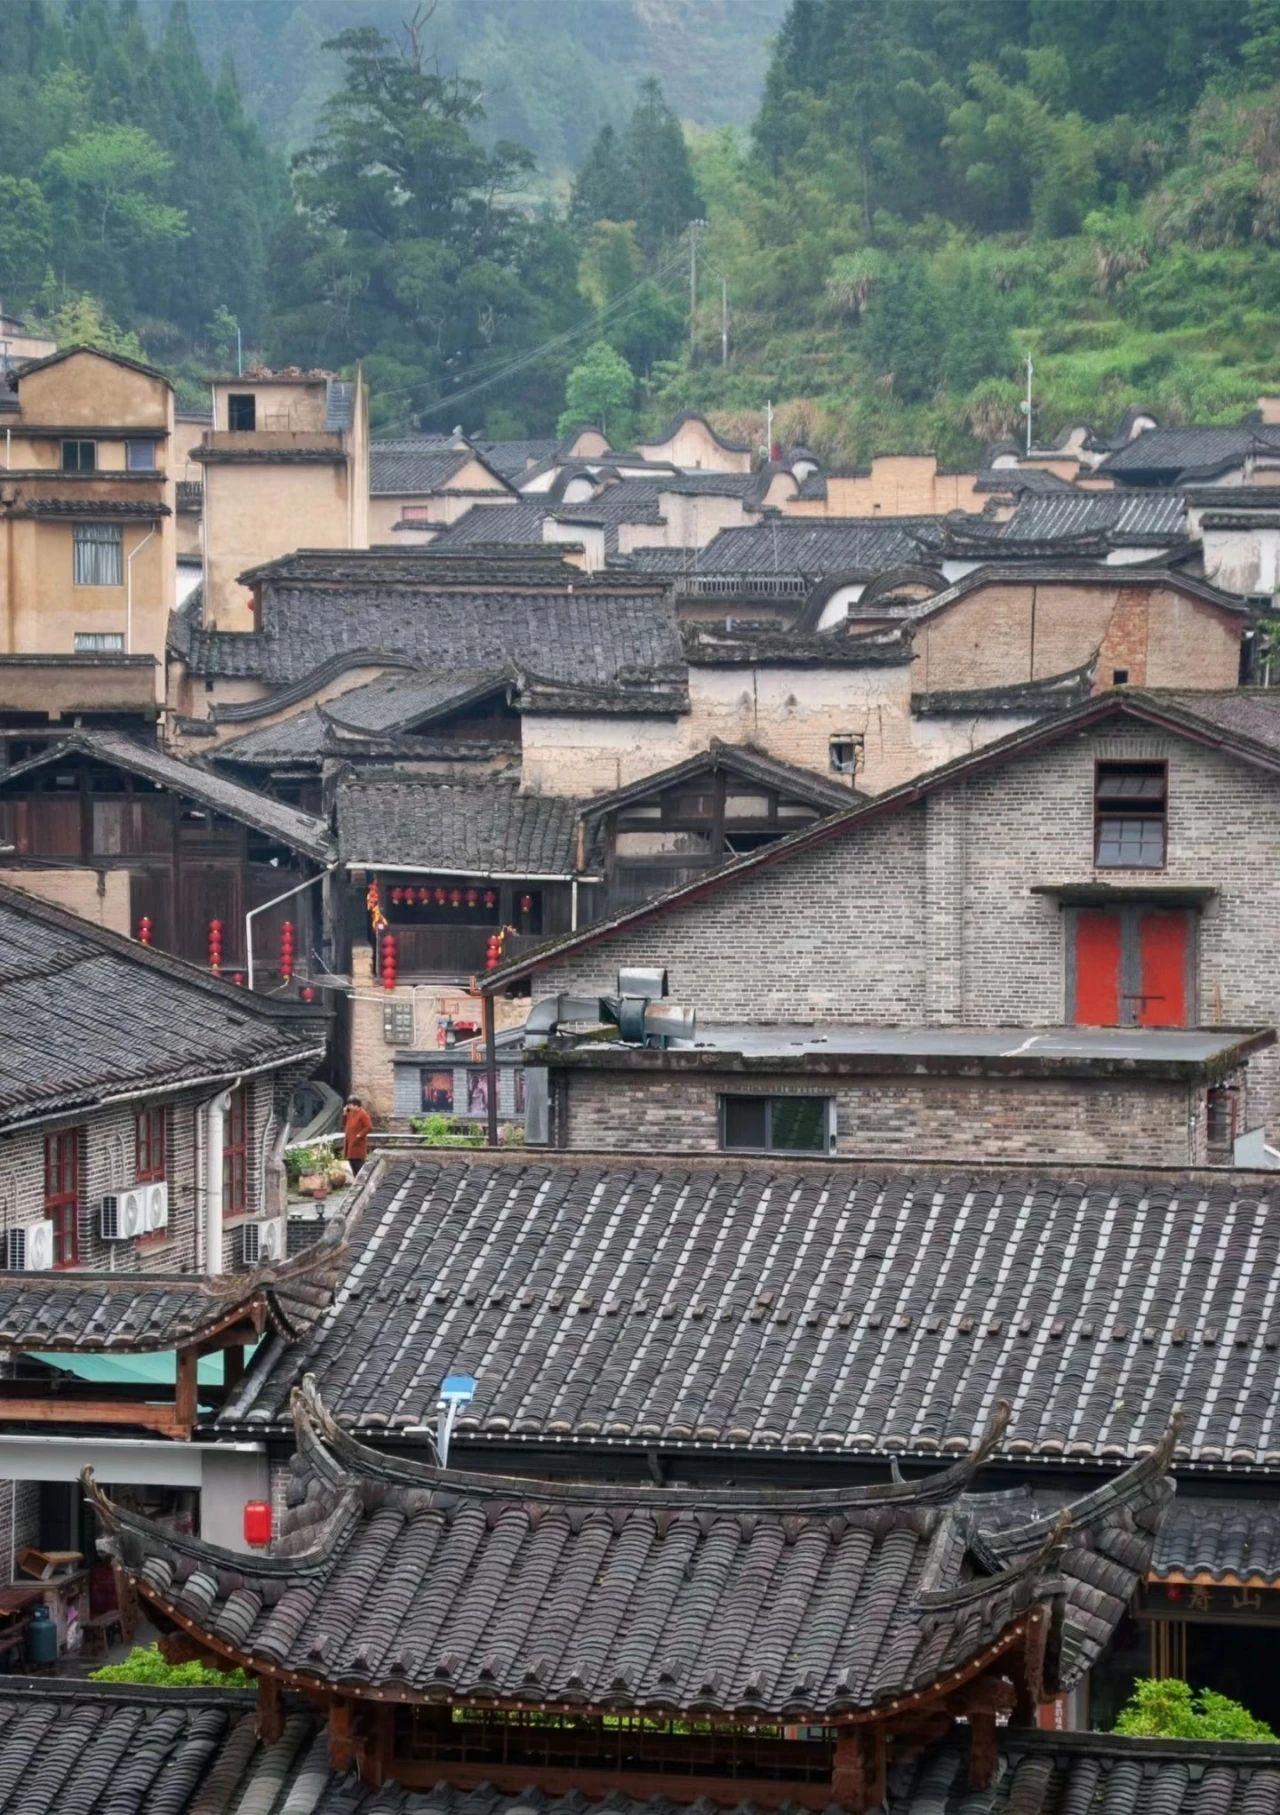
(140, 456)
(99, 642)
(99, 554)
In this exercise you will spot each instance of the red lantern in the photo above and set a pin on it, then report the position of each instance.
(424, 896)
(307, 993)
(257, 1522)
(288, 949)
(144, 930)
(490, 898)
(215, 945)
(441, 897)
(493, 952)
(455, 897)
(397, 895)
(526, 904)
(388, 961)
(238, 977)
(473, 895)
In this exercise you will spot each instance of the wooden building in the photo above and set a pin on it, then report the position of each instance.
(777, 1645)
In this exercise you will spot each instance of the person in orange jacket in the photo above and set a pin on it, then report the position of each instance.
(357, 1125)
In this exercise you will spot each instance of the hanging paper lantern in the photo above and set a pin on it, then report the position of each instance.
(307, 993)
(373, 905)
(215, 945)
(490, 898)
(441, 897)
(397, 895)
(145, 930)
(473, 895)
(288, 943)
(455, 897)
(388, 966)
(526, 904)
(239, 978)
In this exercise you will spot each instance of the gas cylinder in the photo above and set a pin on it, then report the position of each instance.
(42, 1637)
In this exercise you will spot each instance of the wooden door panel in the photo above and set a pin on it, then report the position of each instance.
(210, 891)
(1162, 963)
(1099, 947)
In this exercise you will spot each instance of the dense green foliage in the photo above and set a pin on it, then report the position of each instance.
(931, 192)
(934, 189)
(129, 175)
(1171, 1709)
(144, 1664)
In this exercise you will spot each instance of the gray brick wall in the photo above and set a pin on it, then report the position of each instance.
(1033, 1120)
(932, 915)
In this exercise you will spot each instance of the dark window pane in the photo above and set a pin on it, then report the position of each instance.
(1137, 783)
(799, 1124)
(746, 1121)
(1130, 843)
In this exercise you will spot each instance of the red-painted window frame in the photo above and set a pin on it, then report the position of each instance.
(150, 1146)
(62, 1193)
(235, 1154)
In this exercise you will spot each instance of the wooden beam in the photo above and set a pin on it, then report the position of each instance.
(596, 1786)
(270, 1711)
(46, 1411)
(849, 1777)
(377, 1751)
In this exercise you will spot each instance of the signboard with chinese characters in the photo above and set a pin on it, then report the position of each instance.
(1210, 1601)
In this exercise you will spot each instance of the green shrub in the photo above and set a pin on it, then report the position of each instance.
(1171, 1709)
(144, 1664)
(442, 1130)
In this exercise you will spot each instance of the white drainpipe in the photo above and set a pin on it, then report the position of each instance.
(215, 1142)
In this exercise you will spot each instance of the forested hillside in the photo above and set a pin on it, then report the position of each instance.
(929, 191)
(934, 189)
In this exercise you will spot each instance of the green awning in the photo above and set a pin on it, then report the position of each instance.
(159, 1369)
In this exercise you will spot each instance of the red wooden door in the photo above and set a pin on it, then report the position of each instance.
(1162, 949)
(1099, 945)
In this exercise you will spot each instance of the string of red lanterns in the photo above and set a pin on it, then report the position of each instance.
(387, 965)
(215, 946)
(145, 930)
(288, 950)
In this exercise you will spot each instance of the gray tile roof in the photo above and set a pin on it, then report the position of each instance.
(814, 546)
(302, 832)
(1247, 712)
(391, 817)
(417, 466)
(802, 1308)
(81, 1312)
(1158, 516)
(512, 458)
(769, 1601)
(494, 523)
(588, 636)
(89, 1016)
(735, 759)
(134, 1751)
(1175, 450)
(1232, 1539)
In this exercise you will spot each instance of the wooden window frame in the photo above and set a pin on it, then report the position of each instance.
(235, 1156)
(151, 1146)
(76, 463)
(1147, 765)
(89, 535)
(62, 1184)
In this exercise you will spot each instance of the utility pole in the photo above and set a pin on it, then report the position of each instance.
(768, 430)
(695, 227)
(724, 319)
(1026, 406)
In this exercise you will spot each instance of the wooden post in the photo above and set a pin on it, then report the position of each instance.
(342, 1751)
(270, 1710)
(375, 1764)
(984, 1751)
(849, 1778)
(232, 1365)
(491, 1069)
(185, 1407)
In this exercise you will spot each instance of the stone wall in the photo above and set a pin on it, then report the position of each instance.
(1037, 1121)
(934, 914)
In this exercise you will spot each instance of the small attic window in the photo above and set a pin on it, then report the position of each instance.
(1130, 815)
(242, 411)
(846, 753)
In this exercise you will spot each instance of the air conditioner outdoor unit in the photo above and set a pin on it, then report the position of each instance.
(29, 1249)
(262, 1242)
(123, 1214)
(157, 1206)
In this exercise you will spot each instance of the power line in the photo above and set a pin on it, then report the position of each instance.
(517, 364)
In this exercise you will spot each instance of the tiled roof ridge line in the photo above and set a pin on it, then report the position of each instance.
(318, 1432)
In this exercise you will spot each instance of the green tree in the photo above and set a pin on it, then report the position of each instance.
(978, 344)
(114, 172)
(26, 231)
(1170, 1709)
(599, 389)
(145, 1664)
(602, 189)
(664, 195)
(81, 321)
(905, 333)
